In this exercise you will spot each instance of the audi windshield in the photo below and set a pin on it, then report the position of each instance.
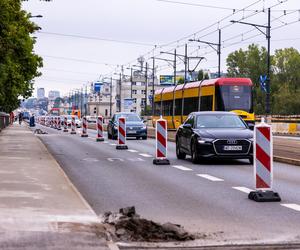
(219, 121)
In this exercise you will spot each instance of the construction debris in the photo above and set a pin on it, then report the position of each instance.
(129, 226)
(39, 131)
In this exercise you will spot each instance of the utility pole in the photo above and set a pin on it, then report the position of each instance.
(153, 79)
(185, 64)
(214, 46)
(110, 98)
(131, 82)
(146, 87)
(86, 99)
(267, 33)
(174, 80)
(120, 93)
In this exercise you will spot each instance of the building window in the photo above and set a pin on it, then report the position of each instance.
(134, 100)
(134, 91)
(143, 101)
(143, 92)
(106, 112)
(134, 83)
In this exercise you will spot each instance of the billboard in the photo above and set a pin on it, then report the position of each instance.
(128, 104)
(168, 79)
(97, 87)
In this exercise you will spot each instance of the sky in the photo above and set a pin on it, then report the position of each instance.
(83, 41)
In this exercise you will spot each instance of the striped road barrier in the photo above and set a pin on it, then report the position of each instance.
(122, 134)
(161, 132)
(73, 130)
(263, 164)
(84, 127)
(58, 123)
(65, 124)
(99, 129)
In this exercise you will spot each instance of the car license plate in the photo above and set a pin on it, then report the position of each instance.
(233, 148)
(131, 132)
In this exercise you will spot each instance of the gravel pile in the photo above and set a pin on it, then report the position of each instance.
(126, 225)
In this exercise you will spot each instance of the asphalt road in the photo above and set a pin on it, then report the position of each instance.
(208, 198)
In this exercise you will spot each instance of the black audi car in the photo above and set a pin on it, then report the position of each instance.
(214, 135)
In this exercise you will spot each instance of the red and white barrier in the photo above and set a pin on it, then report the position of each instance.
(73, 125)
(100, 129)
(122, 134)
(161, 132)
(263, 164)
(58, 123)
(84, 127)
(65, 124)
(55, 122)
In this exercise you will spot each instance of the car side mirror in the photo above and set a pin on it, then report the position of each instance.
(144, 121)
(251, 126)
(187, 125)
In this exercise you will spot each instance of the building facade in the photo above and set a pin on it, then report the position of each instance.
(40, 93)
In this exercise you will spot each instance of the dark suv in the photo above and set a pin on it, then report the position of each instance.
(135, 126)
(214, 135)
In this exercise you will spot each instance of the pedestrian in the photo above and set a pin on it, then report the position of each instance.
(20, 118)
(12, 117)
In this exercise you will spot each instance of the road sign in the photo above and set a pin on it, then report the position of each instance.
(263, 82)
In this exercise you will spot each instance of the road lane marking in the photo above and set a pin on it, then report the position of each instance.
(182, 168)
(210, 177)
(145, 155)
(135, 159)
(105, 142)
(132, 150)
(114, 159)
(113, 144)
(243, 189)
(292, 206)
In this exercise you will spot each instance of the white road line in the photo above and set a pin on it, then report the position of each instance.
(182, 168)
(209, 177)
(105, 142)
(292, 206)
(112, 144)
(132, 150)
(145, 155)
(243, 189)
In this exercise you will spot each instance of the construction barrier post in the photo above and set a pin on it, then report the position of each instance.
(65, 124)
(84, 127)
(100, 129)
(58, 123)
(73, 130)
(122, 134)
(161, 134)
(263, 164)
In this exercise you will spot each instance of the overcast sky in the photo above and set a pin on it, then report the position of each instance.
(81, 40)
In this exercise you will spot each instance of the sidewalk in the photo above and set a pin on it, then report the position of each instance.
(39, 207)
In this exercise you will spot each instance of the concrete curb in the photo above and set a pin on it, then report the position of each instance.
(67, 178)
(287, 160)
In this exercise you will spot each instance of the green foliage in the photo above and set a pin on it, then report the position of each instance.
(180, 81)
(202, 75)
(18, 63)
(285, 76)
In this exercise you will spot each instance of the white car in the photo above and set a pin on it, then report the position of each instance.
(77, 121)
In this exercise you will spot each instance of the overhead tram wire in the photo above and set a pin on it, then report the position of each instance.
(97, 38)
(216, 23)
(193, 34)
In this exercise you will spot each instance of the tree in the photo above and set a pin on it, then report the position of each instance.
(18, 63)
(180, 81)
(285, 76)
(202, 75)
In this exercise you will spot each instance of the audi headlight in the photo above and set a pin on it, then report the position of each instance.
(205, 140)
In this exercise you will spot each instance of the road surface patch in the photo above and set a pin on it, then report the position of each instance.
(114, 159)
(243, 189)
(182, 168)
(292, 206)
(145, 155)
(132, 150)
(210, 177)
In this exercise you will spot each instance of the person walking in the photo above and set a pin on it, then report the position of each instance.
(20, 118)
